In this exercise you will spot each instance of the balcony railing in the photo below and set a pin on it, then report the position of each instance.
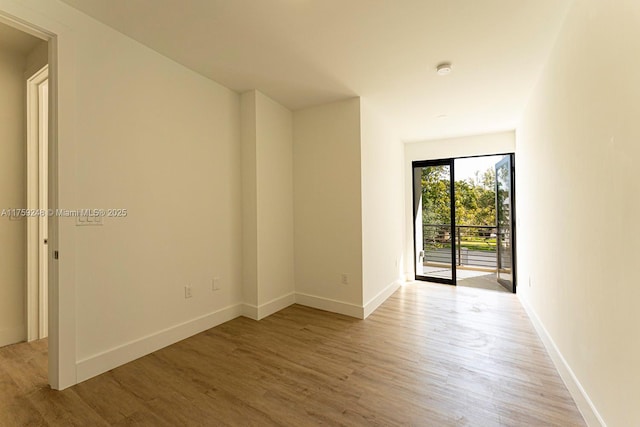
(475, 245)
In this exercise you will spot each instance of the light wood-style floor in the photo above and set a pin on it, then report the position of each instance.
(432, 355)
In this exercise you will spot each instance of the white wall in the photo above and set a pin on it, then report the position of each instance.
(138, 131)
(162, 142)
(327, 206)
(13, 194)
(382, 155)
(135, 130)
(476, 145)
(578, 183)
(267, 141)
(275, 199)
(37, 58)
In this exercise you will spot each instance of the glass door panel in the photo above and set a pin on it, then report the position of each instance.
(504, 221)
(434, 221)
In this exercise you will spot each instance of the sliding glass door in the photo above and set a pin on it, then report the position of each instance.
(434, 220)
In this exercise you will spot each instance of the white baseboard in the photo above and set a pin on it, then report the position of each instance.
(382, 296)
(110, 359)
(13, 335)
(331, 305)
(268, 308)
(275, 305)
(103, 362)
(345, 308)
(250, 311)
(580, 396)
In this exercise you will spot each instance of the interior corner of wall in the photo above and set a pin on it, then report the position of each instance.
(248, 93)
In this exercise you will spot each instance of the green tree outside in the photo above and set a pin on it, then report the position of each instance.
(475, 197)
(475, 206)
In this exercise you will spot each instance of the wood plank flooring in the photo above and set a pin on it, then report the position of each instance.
(431, 355)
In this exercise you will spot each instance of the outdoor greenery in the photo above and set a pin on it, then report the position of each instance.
(475, 206)
(475, 197)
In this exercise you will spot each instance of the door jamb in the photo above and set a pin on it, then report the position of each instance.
(37, 131)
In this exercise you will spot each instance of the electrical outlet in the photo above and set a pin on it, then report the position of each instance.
(188, 291)
(215, 284)
(344, 279)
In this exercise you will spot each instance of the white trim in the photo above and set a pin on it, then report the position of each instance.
(37, 128)
(250, 311)
(268, 308)
(43, 194)
(382, 296)
(118, 356)
(580, 396)
(331, 305)
(275, 305)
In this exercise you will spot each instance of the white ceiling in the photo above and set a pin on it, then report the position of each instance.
(309, 52)
(17, 41)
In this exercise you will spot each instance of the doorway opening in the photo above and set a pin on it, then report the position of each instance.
(464, 221)
(24, 193)
(56, 41)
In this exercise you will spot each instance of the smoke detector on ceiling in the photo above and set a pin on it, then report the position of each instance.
(444, 68)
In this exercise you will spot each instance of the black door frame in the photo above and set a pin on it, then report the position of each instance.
(452, 219)
(450, 161)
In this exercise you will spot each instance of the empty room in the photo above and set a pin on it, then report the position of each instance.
(319, 212)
